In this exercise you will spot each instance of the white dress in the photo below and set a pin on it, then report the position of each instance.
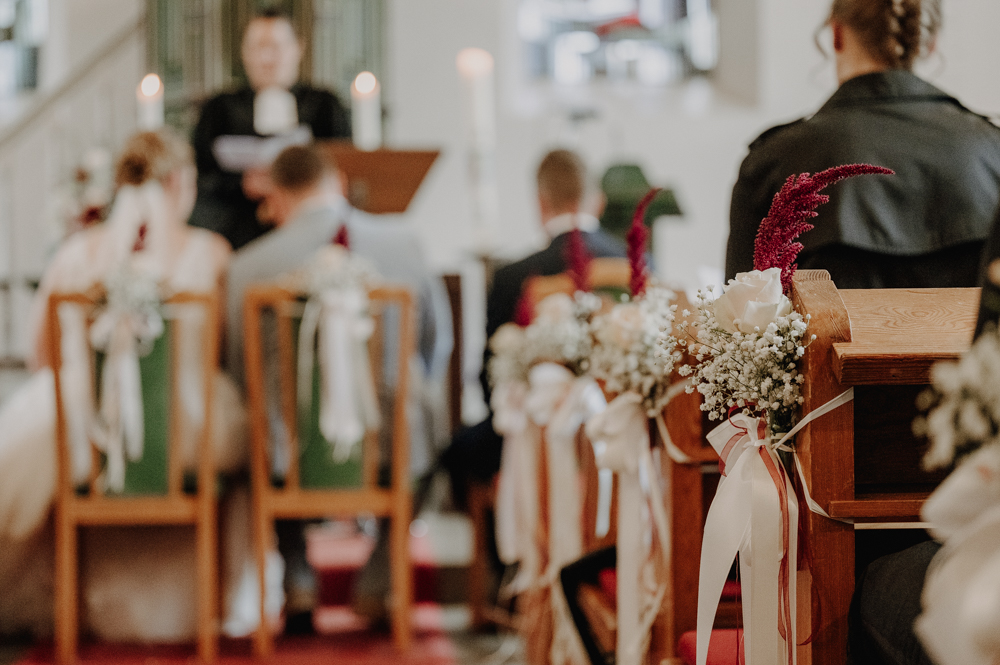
(137, 585)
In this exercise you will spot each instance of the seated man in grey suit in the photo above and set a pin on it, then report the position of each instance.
(308, 206)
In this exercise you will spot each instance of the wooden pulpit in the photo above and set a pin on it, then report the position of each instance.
(379, 181)
(862, 462)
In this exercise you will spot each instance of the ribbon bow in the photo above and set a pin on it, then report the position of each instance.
(755, 514)
(517, 487)
(621, 436)
(118, 430)
(348, 404)
(560, 404)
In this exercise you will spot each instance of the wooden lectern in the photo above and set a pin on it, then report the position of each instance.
(862, 461)
(379, 181)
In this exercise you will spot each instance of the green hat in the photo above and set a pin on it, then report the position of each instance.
(624, 185)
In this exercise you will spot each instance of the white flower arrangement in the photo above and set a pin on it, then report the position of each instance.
(964, 403)
(334, 267)
(560, 333)
(634, 347)
(748, 344)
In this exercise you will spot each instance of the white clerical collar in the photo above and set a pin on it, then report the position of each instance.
(566, 222)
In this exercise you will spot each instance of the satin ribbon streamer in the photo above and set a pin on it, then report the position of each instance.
(622, 431)
(550, 411)
(517, 487)
(118, 430)
(348, 404)
(755, 515)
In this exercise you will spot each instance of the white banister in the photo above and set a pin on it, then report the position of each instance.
(40, 148)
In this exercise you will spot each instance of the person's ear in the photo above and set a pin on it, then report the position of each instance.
(838, 35)
(932, 45)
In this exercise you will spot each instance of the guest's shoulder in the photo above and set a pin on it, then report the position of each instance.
(214, 243)
(603, 244)
(777, 133)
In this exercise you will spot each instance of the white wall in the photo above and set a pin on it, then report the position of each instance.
(695, 148)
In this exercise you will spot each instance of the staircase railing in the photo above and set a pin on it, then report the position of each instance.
(94, 106)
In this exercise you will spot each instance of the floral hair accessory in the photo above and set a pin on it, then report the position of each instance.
(343, 238)
(796, 202)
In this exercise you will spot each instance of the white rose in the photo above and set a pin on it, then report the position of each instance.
(754, 299)
(625, 322)
(507, 339)
(556, 308)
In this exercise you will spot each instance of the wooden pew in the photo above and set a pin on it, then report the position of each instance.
(861, 461)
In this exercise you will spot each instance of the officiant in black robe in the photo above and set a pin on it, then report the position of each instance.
(228, 201)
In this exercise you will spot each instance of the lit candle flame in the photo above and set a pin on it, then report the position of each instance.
(150, 85)
(365, 83)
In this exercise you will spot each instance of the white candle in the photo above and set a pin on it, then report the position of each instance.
(366, 112)
(149, 103)
(475, 66)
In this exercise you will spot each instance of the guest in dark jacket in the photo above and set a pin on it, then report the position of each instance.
(926, 225)
(475, 451)
(228, 201)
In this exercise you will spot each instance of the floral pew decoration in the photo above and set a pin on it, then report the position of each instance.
(747, 346)
(633, 359)
(127, 325)
(960, 623)
(542, 396)
(333, 336)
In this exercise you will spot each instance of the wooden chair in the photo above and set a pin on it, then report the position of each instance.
(607, 275)
(75, 507)
(862, 461)
(292, 500)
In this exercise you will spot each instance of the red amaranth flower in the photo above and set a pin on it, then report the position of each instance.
(636, 245)
(797, 201)
(522, 312)
(140, 239)
(342, 238)
(577, 260)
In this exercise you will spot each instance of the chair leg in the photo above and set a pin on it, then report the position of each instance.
(479, 566)
(208, 582)
(67, 606)
(263, 643)
(402, 577)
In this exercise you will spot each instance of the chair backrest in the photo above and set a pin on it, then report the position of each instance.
(607, 276)
(160, 471)
(309, 462)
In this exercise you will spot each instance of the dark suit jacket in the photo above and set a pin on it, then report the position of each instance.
(878, 230)
(501, 302)
(221, 206)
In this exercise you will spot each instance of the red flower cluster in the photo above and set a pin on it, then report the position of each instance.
(792, 206)
(140, 239)
(342, 238)
(636, 245)
(577, 260)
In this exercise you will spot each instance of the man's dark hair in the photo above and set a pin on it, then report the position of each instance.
(297, 168)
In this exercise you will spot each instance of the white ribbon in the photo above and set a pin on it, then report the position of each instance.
(622, 431)
(348, 404)
(118, 431)
(517, 486)
(560, 404)
(746, 518)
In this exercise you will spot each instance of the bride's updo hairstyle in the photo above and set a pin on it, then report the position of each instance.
(895, 32)
(152, 156)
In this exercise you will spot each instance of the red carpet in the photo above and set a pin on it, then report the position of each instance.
(347, 640)
(343, 638)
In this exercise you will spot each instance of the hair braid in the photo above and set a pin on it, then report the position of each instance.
(896, 32)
